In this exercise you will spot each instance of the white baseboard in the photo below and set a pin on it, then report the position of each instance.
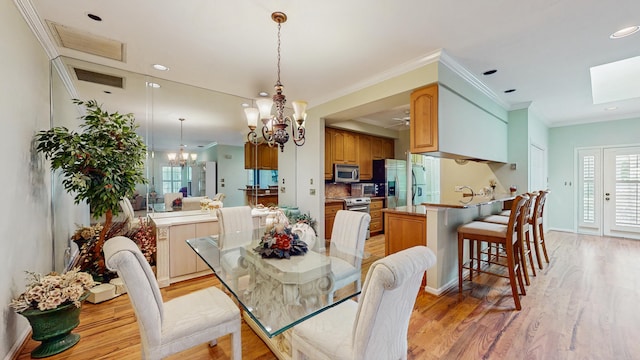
(561, 230)
(13, 352)
(439, 291)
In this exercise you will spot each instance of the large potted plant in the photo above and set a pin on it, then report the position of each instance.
(100, 164)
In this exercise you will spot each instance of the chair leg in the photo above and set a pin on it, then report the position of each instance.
(236, 345)
(543, 243)
(528, 242)
(460, 252)
(536, 246)
(512, 276)
(522, 261)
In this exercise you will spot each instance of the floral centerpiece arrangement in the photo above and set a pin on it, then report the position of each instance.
(207, 204)
(177, 203)
(53, 290)
(304, 219)
(280, 242)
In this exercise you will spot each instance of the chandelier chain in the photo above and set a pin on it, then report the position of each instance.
(279, 25)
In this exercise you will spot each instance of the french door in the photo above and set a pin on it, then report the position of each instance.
(609, 191)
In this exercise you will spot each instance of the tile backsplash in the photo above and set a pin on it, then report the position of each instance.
(332, 190)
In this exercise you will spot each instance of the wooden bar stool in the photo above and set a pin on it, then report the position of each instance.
(477, 232)
(524, 234)
(536, 221)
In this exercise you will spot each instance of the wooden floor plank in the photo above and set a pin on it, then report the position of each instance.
(583, 305)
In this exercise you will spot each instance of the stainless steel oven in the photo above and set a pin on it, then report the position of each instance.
(361, 204)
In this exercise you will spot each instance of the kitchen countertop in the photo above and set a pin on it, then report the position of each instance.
(473, 201)
(415, 210)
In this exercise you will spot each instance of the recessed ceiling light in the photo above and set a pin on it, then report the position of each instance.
(94, 17)
(625, 32)
(244, 105)
(263, 93)
(611, 108)
(107, 92)
(490, 72)
(509, 91)
(153, 85)
(160, 67)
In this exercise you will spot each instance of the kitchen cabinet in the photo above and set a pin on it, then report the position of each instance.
(382, 148)
(184, 263)
(375, 210)
(440, 117)
(330, 210)
(328, 153)
(404, 230)
(365, 159)
(262, 156)
(424, 119)
(345, 147)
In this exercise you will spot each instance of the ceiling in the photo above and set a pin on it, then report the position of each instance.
(543, 49)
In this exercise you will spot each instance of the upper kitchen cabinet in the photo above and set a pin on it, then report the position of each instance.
(365, 159)
(328, 153)
(446, 124)
(262, 157)
(424, 119)
(382, 148)
(345, 147)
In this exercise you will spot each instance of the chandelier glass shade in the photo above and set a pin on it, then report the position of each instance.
(274, 126)
(182, 158)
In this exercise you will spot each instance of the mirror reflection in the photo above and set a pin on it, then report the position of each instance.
(220, 161)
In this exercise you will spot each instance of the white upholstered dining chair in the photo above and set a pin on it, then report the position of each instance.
(347, 248)
(232, 220)
(180, 323)
(375, 327)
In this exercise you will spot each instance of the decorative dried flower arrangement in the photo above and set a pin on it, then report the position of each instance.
(52, 290)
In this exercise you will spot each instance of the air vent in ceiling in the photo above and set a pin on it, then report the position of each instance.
(99, 78)
(80, 40)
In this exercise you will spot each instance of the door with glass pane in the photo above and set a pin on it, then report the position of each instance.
(621, 192)
(589, 191)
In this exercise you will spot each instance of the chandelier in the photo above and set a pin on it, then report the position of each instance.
(274, 127)
(182, 158)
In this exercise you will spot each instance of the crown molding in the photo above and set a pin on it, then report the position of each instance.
(410, 65)
(64, 75)
(466, 75)
(30, 15)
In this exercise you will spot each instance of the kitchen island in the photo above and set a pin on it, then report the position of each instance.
(436, 226)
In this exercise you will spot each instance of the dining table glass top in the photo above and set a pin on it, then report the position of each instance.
(276, 293)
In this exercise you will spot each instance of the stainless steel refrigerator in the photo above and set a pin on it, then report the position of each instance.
(392, 175)
(418, 185)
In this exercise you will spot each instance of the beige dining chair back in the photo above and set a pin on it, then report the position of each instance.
(235, 225)
(180, 323)
(375, 327)
(347, 248)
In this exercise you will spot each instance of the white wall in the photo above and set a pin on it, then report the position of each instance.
(25, 219)
(231, 170)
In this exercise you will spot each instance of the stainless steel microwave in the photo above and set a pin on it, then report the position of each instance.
(346, 173)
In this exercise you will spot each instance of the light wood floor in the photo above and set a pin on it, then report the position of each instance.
(583, 305)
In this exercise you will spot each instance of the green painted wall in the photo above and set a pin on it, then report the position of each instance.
(561, 203)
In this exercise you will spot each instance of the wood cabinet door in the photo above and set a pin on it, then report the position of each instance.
(330, 211)
(350, 148)
(377, 149)
(364, 157)
(183, 258)
(424, 119)
(403, 231)
(274, 157)
(338, 147)
(264, 157)
(328, 154)
(388, 149)
(250, 156)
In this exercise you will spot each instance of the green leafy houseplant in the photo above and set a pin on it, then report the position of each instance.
(100, 164)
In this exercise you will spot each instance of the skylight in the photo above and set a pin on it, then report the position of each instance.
(616, 81)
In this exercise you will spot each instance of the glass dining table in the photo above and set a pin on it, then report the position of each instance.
(276, 294)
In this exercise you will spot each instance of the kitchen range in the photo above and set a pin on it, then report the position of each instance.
(361, 204)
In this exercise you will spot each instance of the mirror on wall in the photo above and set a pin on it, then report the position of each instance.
(213, 128)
